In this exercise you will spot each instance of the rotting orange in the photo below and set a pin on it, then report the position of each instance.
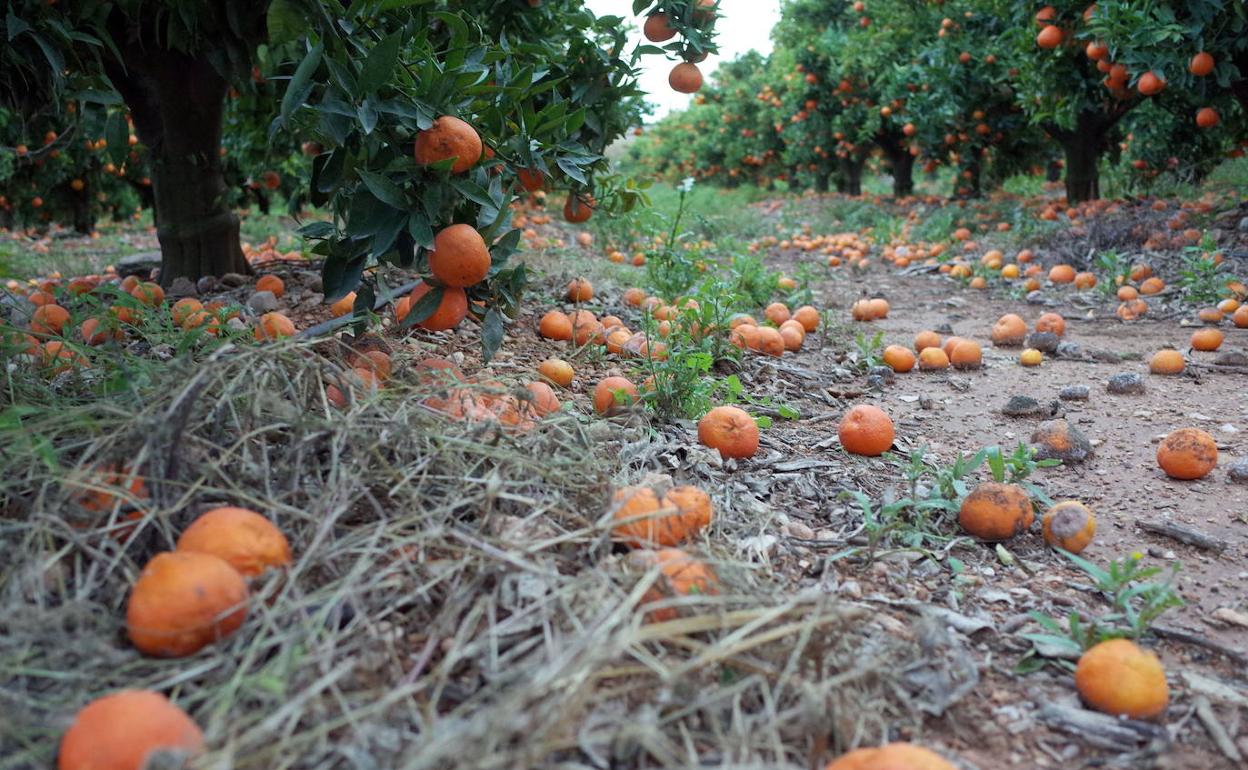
(769, 341)
(729, 429)
(680, 574)
(808, 317)
(542, 400)
(124, 729)
(995, 511)
(1051, 322)
(183, 602)
(49, 319)
(244, 539)
(866, 430)
(1070, 525)
(1120, 678)
(1187, 454)
(1009, 331)
(777, 313)
(556, 370)
(680, 515)
(967, 355)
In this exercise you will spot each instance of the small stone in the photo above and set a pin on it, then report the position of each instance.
(960, 384)
(944, 329)
(236, 324)
(885, 373)
(1059, 440)
(141, 264)
(207, 284)
(182, 287)
(163, 351)
(312, 281)
(926, 402)
(876, 382)
(1036, 297)
(1068, 350)
(1231, 358)
(1126, 383)
(313, 300)
(1045, 342)
(262, 302)
(234, 280)
(1074, 393)
(1022, 406)
(1237, 472)
(841, 374)
(1243, 225)
(17, 310)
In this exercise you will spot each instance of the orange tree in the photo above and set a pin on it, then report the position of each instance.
(546, 85)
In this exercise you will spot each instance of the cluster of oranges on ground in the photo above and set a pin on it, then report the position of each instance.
(847, 248)
(182, 601)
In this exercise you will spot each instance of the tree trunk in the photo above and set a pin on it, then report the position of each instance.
(902, 163)
(849, 180)
(821, 181)
(1053, 171)
(1083, 151)
(177, 103)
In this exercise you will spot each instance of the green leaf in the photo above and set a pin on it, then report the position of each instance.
(284, 21)
(424, 307)
(380, 63)
(14, 25)
(300, 86)
(419, 228)
(117, 133)
(341, 275)
(316, 230)
(385, 190)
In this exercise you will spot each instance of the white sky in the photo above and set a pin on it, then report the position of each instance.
(743, 24)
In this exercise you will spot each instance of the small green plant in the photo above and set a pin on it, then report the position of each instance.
(1115, 269)
(1016, 468)
(907, 523)
(1135, 601)
(1202, 279)
(670, 270)
(868, 350)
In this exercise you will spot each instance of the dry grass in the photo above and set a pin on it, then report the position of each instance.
(454, 601)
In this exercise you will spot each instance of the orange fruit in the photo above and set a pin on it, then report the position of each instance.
(1009, 330)
(1127, 293)
(557, 371)
(49, 319)
(866, 430)
(184, 601)
(96, 332)
(657, 29)
(148, 293)
(1030, 357)
(555, 325)
(120, 731)
(1210, 315)
(1069, 525)
(967, 355)
(926, 339)
(777, 313)
(269, 283)
(452, 308)
(1152, 286)
(950, 344)
(680, 575)
(273, 326)
(769, 341)
(185, 308)
(460, 256)
(894, 756)
(682, 513)
(792, 334)
(933, 359)
(1167, 362)
(1149, 84)
(879, 308)
(1051, 322)
(1207, 339)
(634, 297)
(579, 290)
(808, 317)
(1240, 317)
(244, 539)
(1187, 453)
(612, 394)
(577, 209)
(374, 361)
(685, 78)
(729, 429)
(449, 137)
(542, 399)
(996, 511)
(900, 359)
(344, 305)
(1049, 37)
(1228, 305)
(1084, 281)
(1201, 65)
(1062, 274)
(1120, 678)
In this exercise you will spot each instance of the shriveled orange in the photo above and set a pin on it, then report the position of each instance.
(542, 400)
(679, 515)
(894, 756)
(1187, 454)
(996, 511)
(1207, 340)
(122, 730)
(967, 355)
(634, 297)
(148, 293)
(613, 394)
(933, 359)
(1121, 678)
(184, 601)
(460, 256)
(866, 430)
(244, 539)
(1051, 322)
(451, 309)
(556, 370)
(899, 358)
(680, 574)
(449, 137)
(49, 319)
(729, 429)
(1167, 362)
(1068, 524)
(1009, 330)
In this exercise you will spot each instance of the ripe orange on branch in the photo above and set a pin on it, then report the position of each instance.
(449, 137)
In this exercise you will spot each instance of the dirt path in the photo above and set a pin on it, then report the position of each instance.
(959, 412)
